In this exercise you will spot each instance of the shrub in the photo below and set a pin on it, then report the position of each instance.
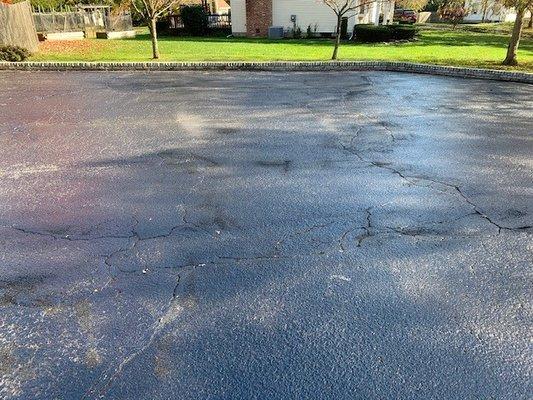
(311, 31)
(404, 32)
(384, 33)
(372, 33)
(194, 20)
(13, 53)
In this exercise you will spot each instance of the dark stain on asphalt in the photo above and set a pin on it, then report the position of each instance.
(285, 165)
(226, 131)
(177, 157)
(22, 291)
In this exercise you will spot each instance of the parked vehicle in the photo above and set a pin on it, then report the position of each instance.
(405, 16)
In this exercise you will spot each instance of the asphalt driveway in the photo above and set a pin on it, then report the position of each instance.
(265, 235)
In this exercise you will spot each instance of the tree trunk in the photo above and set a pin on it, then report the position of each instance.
(510, 59)
(153, 34)
(337, 38)
(484, 9)
(530, 23)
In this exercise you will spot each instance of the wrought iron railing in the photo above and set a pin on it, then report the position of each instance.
(213, 21)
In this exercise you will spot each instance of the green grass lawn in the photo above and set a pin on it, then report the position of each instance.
(436, 46)
(503, 28)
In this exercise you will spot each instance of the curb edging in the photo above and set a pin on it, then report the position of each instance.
(461, 72)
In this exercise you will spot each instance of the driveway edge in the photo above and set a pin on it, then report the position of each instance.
(462, 72)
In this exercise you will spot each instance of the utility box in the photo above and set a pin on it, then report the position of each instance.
(275, 32)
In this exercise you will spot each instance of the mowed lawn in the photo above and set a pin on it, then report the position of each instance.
(437, 46)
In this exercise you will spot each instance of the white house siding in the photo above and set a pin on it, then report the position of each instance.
(505, 16)
(495, 12)
(315, 12)
(238, 17)
(308, 13)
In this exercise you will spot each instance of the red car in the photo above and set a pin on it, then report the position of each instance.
(405, 16)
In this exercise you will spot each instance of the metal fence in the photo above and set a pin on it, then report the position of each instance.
(59, 22)
(117, 23)
(17, 27)
(213, 21)
(219, 21)
(79, 21)
(95, 18)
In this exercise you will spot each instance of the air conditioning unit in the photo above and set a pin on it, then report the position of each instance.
(275, 32)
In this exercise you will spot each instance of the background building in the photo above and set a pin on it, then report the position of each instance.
(254, 17)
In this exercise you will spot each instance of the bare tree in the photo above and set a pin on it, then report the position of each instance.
(343, 8)
(520, 6)
(453, 11)
(484, 10)
(151, 11)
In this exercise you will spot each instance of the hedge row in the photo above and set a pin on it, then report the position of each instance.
(384, 33)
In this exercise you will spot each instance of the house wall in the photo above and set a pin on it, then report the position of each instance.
(258, 17)
(495, 12)
(308, 12)
(315, 12)
(491, 17)
(247, 16)
(238, 17)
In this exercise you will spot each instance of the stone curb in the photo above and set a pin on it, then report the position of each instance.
(479, 73)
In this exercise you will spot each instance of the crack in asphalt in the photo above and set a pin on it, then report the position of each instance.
(63, 237)
(415, 231)
(252, 258)
(389, 131)
(409, 179)
(412, 180)
(132, 235)
(168, 314)
(367, 229)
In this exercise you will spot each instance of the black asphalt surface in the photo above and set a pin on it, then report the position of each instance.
(265, 236)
